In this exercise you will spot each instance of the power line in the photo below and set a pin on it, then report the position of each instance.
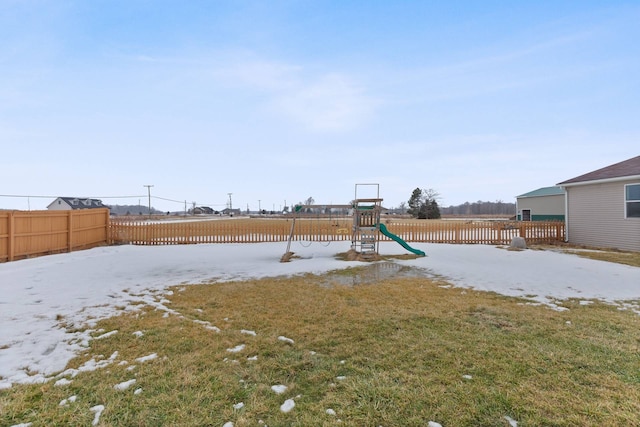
(137, 196)
(55, 197)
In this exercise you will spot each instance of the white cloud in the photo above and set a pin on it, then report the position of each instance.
(318, 102)
(330, 103)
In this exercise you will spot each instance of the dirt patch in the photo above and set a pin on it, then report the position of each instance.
(352, 255)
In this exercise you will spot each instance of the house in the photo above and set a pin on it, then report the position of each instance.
(603, 207)
(543, 204)
(231, 212)
(202, 210)
(72, 203)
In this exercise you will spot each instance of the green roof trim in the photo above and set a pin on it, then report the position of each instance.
(544, 191)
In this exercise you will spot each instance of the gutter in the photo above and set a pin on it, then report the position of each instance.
(599, 181)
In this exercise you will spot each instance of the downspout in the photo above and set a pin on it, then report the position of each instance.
(566, 214)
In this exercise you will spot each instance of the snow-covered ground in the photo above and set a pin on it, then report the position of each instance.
(39, 295)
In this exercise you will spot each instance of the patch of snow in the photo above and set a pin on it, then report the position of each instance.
(236, 349)
(285, 339)
(511, 421)
(97, 410)
(137, 391)
(467, 377)
(138, 334)
(107, 335)
(433, 424)
(331, 412)
(247, 332)
(124, 385)
(279, 389)
(70, 399)
(62, 382)
(287, 406)
(147, 358)
(238, 405)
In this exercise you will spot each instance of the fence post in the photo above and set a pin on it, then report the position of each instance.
(70, 230)
(559, 233)
(11, 246)
(107, 225)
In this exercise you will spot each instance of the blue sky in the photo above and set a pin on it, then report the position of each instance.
(284, 100)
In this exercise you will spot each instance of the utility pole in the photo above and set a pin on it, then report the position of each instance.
(149, 192)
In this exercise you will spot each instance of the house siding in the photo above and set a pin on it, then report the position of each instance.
(543, 208)
(59, 205)
(596, 217)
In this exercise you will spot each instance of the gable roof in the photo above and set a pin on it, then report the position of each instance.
(544, 191)
(623, 170)
(81, 202)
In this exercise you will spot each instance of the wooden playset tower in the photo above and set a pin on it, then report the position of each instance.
(366, 217)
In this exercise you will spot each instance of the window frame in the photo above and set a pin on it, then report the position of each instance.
(627, 200)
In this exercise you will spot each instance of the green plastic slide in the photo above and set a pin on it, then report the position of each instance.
(383, 230)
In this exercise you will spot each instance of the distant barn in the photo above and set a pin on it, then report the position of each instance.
(543, 204)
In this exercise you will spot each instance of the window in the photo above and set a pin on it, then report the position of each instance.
(632, 200)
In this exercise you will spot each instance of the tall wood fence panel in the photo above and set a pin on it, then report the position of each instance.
(327, 230)
(24, 234)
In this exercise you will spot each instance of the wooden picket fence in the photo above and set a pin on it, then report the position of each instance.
(33, 233)
(25, 234)
(326, 230)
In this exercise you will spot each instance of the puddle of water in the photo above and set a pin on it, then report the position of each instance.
(371, 274)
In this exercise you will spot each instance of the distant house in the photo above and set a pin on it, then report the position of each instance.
(202, 210)
(72, 203)
(543, 204)
(231, 212)
(603, 206)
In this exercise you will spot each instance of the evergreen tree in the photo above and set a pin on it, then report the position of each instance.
(423, 204)
(415, 202)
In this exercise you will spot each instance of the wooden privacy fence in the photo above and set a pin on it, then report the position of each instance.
(24, 234)
(325, 230)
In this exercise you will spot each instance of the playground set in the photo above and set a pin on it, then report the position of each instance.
(366, 225)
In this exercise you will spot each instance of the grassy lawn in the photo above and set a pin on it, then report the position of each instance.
(401, 352)
(609, 255)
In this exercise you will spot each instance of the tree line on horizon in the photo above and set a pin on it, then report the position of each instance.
(423, 204)
(481, 208)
